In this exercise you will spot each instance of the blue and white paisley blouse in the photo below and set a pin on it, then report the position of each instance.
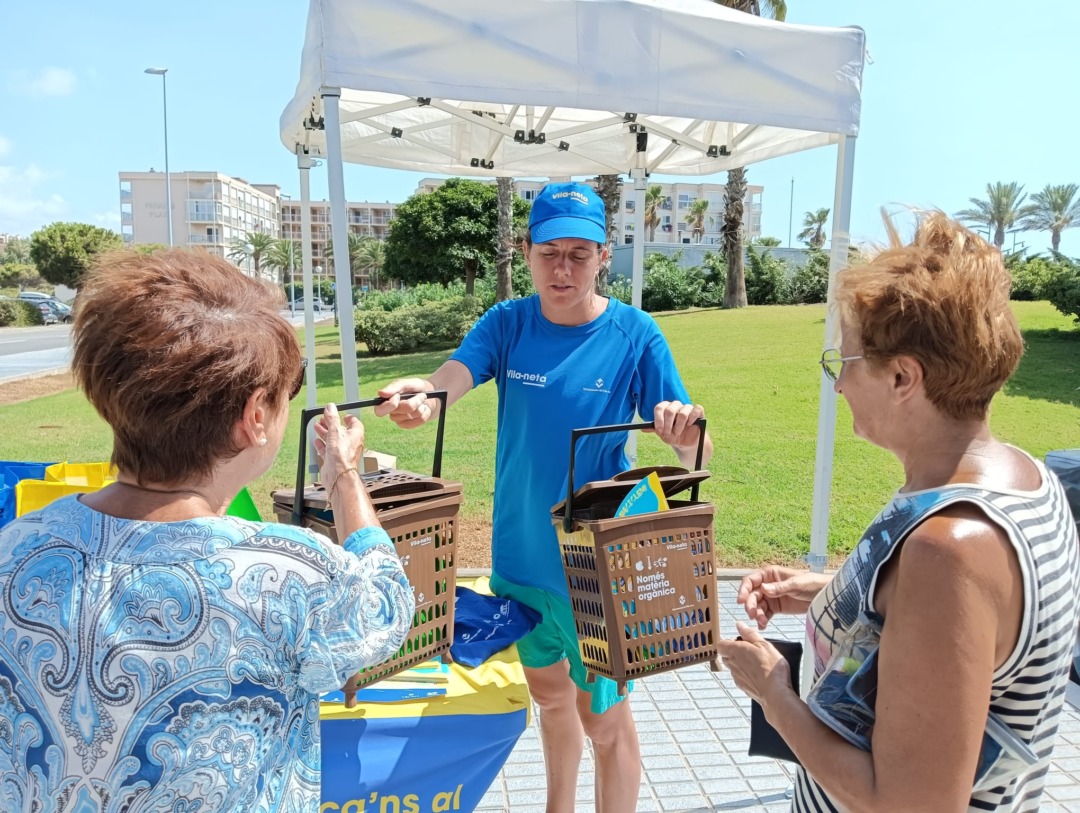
(177, 666)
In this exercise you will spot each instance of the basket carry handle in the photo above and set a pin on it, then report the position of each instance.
(568, 523)
(309, 414)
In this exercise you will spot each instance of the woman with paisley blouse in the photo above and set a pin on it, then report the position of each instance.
(156, 654)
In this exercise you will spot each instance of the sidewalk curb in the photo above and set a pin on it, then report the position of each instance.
(36, 374)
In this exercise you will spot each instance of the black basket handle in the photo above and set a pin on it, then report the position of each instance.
(309, 414)
(568, 508)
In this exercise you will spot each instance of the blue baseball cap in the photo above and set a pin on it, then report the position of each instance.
(568, 210)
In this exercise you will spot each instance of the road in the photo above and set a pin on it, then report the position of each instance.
(29, 351)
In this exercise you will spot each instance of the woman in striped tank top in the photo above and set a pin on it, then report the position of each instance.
(942, 646)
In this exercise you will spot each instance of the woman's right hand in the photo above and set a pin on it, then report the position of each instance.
(408, 413)
(774, 589)
(339, 443)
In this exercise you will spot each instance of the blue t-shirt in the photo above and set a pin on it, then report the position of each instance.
(553, 379)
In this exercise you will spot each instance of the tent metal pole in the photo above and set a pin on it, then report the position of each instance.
(823, 463)
(637, 277)
(638, 176)
(339, 231)
(304, 163)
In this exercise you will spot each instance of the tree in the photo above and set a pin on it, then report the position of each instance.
(504, 239)
(813, 233)
(1003, 207)
(370, 259)
(356, 244)
(732, 231)
(63, 252)
(447, 234)
(255, 245)
(149, 248)
(735, 191)
(654, 199)
(284, 257)
(1054, 209)
(16, 250)
(766, 242)
(23, 276)
(609, 188)
(696, 217)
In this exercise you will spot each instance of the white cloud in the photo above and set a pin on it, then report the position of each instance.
(50, 81)
(22, 209)
(5, 146)
(108, 219)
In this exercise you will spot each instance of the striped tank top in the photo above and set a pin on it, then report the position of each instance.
(1028, 690)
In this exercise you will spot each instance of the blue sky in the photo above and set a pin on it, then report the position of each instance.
(959, 94)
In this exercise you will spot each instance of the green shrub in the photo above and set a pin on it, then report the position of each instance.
(412, 327)
(1063, 289)
(18, 313)
(809, 285)
(668, 286)
(622, 288)
(1030, 277)
(766, 277)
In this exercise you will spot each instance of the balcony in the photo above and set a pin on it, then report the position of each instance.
(125, 218)
(125, 196)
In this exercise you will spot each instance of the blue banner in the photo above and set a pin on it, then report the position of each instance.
(414, 764)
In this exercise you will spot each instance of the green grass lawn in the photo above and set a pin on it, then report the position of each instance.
(754, 369)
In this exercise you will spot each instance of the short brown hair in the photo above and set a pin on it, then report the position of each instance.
(943, 298)
(169, 346)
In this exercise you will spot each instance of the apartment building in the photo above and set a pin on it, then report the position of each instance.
(675, 225)
(364, 219)
(210, 210)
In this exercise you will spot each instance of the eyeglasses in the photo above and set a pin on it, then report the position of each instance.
(299, 380)
(833, 363)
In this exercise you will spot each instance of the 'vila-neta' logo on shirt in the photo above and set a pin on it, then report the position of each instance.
(529, 379)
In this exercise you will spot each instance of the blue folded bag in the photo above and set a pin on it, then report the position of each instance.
(484, 625)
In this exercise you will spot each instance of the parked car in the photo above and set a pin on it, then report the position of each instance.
(317, 305)
(53, 311)
(33, 296)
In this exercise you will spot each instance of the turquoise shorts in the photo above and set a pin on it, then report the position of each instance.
(555, 639)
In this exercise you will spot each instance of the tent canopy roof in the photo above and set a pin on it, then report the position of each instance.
(570, 87)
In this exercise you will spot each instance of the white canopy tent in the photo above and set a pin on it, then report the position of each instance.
(558, 88)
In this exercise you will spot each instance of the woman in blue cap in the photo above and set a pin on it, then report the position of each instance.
(564, 358)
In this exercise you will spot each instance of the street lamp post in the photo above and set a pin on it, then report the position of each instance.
(168, 184)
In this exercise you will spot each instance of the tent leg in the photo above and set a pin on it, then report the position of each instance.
(304, 163)
(638, 274)
(343, 297)
(823, 463)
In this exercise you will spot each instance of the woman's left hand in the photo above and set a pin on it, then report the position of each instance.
(757, 666)
(674, 423)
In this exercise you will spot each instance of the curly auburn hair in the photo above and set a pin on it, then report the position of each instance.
(169, 347)
(942, 298)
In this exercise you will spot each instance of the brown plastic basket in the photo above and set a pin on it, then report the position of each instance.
(643, 587)
(419, 513)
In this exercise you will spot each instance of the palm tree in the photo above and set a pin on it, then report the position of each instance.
(766, 242)
(813, 233)
(735, 191)
(695, 219)
(284, 257)
(1054, 209)
(732, 231)
(504, 240)
(1003, 207)
(370, 258)
(254, 246)
(356, 242)
(654, 199)
(609, 188)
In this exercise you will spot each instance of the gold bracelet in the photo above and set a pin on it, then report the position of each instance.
(333, 485)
